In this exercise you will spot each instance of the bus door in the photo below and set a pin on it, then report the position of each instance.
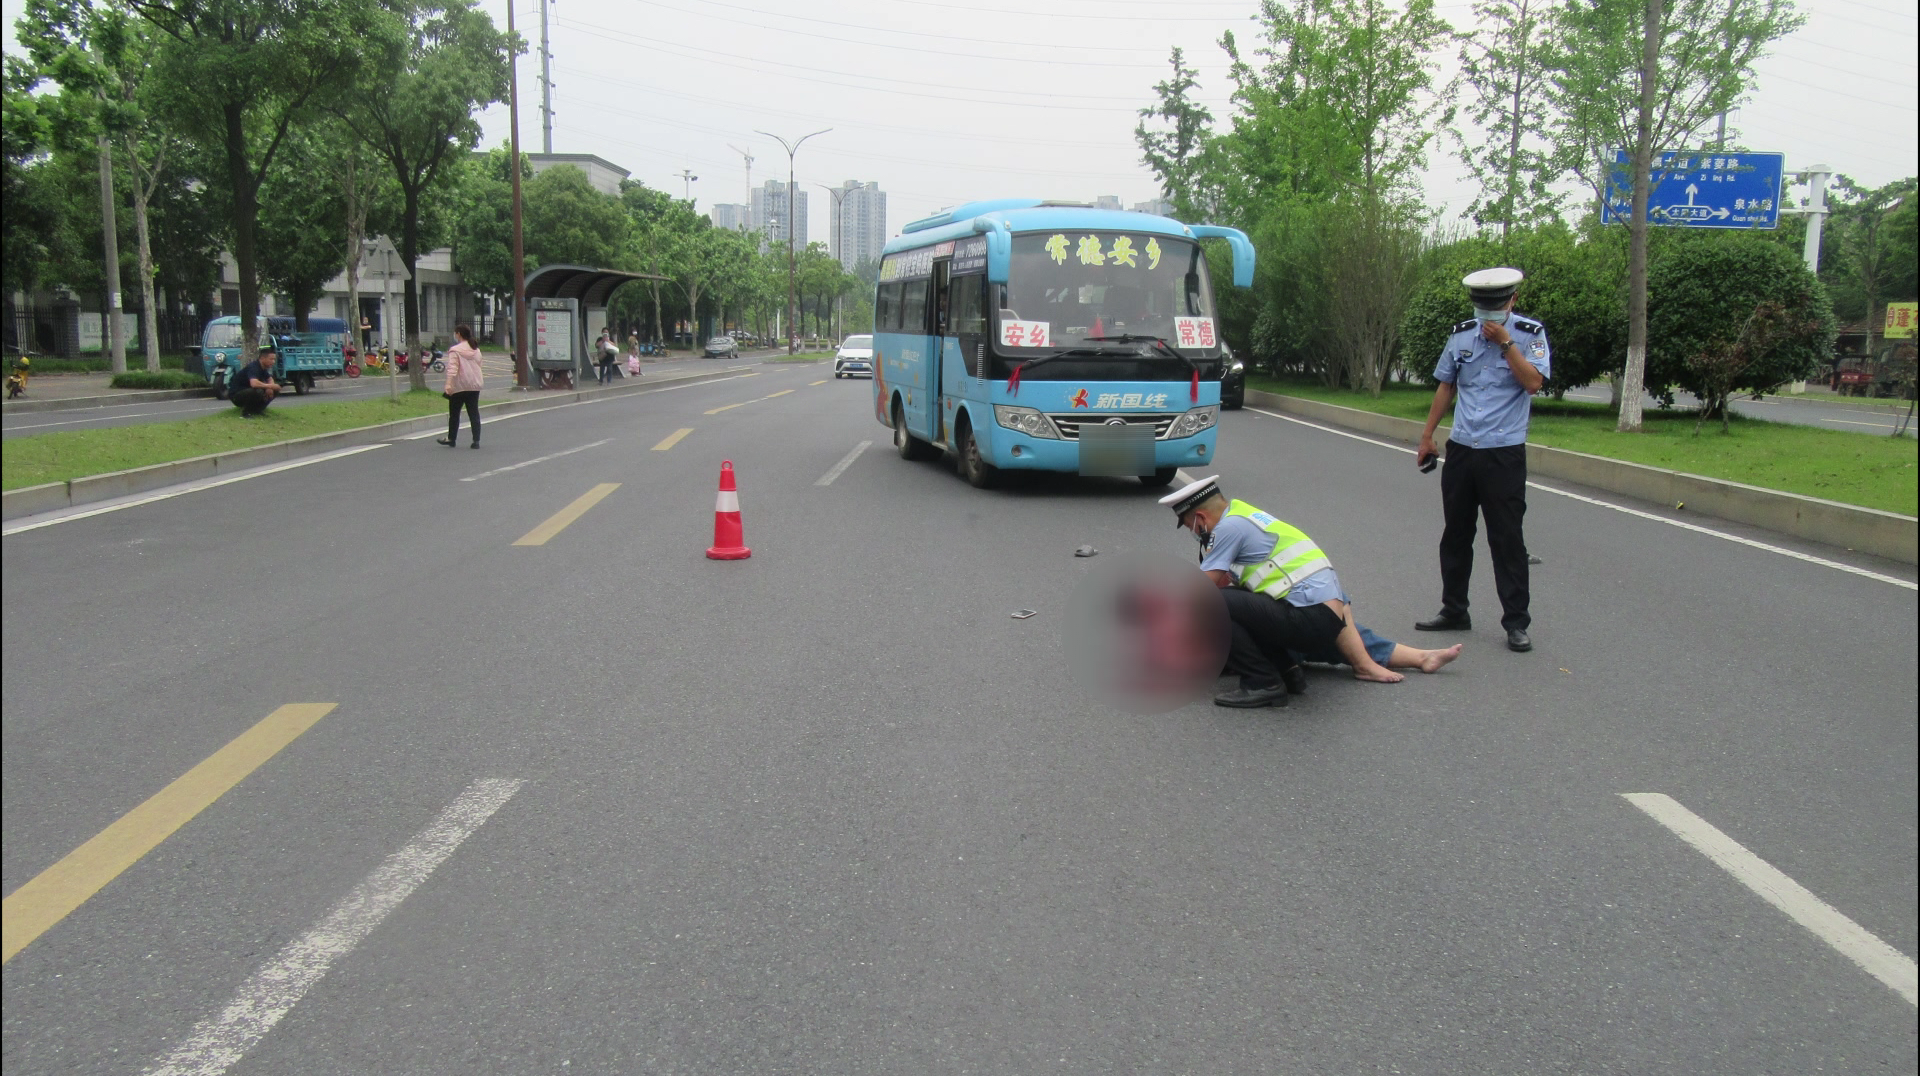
(939, 404)
(965, 343)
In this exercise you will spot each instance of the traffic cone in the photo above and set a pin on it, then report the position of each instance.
(729, 537)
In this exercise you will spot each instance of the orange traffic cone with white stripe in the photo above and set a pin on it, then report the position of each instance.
(729, 537)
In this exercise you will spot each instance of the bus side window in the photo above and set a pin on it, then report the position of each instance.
(913, 308)
(969, 314)
(886, 307)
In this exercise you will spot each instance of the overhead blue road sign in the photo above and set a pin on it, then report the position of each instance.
(1701, 189)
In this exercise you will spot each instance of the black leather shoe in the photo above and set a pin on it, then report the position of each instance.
(1531, 559)
(443, 441)
(1445, 621)
(1295, 679)
(1252, 698)
(1518, 641)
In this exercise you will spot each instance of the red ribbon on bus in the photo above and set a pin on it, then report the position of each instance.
(1193, 392)
(1013, 380)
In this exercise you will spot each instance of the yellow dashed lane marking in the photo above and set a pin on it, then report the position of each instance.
(672, 439)
(35, 907)
(565, 516)
(729, 407)
(811, 384)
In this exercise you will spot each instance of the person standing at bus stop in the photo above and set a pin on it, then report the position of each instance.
(1488, 373)
(463, 386)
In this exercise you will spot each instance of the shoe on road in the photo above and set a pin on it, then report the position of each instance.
(1518, 641)
(1295, 679)
(1253, 698)
(1531, 559)
(1445, 621)
(443, 441)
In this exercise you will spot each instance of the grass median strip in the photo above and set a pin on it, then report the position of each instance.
(68, 454)
(1836, 465)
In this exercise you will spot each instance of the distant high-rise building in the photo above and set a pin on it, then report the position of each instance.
(1107, 201)
(1159, 207)
(730, 217)
(859, 223)
(768, 213)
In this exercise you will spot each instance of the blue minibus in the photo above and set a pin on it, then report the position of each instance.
(1051, 336)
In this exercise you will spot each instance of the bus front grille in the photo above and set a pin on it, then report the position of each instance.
(1070, 424)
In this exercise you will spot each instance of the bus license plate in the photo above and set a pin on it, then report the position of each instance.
(1118, 451)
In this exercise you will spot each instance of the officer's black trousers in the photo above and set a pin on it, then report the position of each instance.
(1268, 631)
(1490, 482)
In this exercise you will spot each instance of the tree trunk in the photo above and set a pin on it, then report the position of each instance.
(114, 335)
(1633, 379)
(149, 316)
(356, 234)
(410, 303)
(302, 299)
(246, 214)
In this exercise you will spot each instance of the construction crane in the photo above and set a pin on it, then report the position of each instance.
(747, 202)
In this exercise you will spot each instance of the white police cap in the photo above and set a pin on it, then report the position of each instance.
(1490, 288)
(1191, 496)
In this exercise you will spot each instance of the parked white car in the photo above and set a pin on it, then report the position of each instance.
(855, 357)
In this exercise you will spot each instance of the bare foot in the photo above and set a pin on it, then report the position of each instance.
(1376, 674)
(1435, 660)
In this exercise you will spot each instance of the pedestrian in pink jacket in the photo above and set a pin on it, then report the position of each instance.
(463, 386)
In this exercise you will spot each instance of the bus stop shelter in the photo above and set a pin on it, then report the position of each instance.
(568, 307)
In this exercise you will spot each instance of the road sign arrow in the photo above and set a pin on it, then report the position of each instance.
(1722, 213)
(1691, 191)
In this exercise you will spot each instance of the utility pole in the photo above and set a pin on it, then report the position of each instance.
(687, 180)
(518, 305)
(1816, 212)
(793, 344)
(110, 316)
(546, 84)
(839, 237)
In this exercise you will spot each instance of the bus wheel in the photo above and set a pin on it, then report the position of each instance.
(909, 446)
(1159, 478)
(977, 471)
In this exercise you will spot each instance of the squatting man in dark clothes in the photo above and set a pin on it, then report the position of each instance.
(254, 387)
(1283, 600)
(1488, 373)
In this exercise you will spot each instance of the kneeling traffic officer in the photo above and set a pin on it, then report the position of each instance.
(1281, 592)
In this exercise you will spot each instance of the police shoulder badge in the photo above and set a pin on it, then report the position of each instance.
(1526, 326)
(1465, 325)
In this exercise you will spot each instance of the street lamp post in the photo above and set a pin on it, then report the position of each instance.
(839, 232)
(522, 373)
(687, 180)
(792, 343)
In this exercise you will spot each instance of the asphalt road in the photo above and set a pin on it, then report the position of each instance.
(498, 369)
(831, 809)
(1827, 412)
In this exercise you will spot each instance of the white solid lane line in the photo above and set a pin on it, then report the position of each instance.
(1855, 942)
(221, 1039)
(48, 520)
(531, 462)
(114, 415)
(1696, 528)
(491, 419)
(846, 461)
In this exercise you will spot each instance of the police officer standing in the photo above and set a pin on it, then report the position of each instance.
(1492, 366)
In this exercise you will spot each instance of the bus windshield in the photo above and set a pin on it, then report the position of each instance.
(1070, 290)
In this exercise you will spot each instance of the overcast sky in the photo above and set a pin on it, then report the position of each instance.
(944, 102)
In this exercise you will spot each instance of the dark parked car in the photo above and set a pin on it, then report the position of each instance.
(722, 347)
(1233, 381)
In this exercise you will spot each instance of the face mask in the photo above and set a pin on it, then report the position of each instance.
(1498, 317)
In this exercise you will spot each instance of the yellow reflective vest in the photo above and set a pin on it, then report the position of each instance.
(1294, 555)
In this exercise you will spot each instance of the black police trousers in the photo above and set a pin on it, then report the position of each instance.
(250, 401)
(1267, 632)
(1490, 483)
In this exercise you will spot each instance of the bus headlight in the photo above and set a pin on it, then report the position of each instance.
(1025, 420)
(1194, 421)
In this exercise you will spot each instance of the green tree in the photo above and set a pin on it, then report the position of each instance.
(1504, 62)
(1867, 249)
(1175, 154)
(1646, 75)
(244, 75)
(1704, 296)
(24, 136)
(482, 222)
(568, 222)
(302, 218)
(419, 117)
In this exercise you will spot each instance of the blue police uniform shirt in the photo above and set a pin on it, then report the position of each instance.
(1491, 409)
(1239, 541)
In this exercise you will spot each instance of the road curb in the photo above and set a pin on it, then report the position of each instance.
(130, 396)
(88, 489)
(1866, 530)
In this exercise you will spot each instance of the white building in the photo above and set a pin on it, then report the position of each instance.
(859, 223)
(1159, 207)
(730, 217)
(768, 213)
(602, 173)
(1107, 201)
